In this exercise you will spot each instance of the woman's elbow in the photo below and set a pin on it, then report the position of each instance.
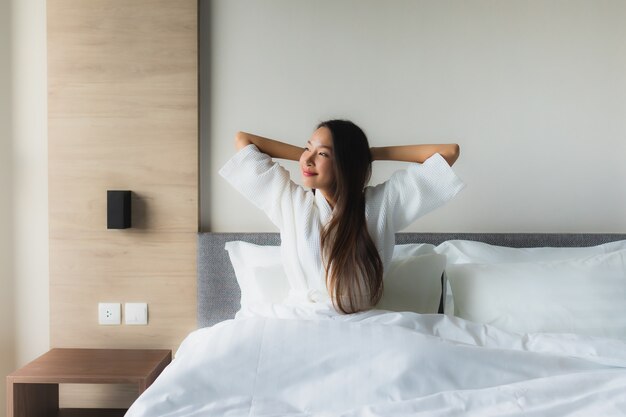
(241, 140)
(453, 154)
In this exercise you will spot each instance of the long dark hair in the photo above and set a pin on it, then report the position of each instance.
(354, 269)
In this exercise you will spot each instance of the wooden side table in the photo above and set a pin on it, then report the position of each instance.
(34, 389)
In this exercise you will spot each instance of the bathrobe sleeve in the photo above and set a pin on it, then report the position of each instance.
(416, 190)
(261, 180)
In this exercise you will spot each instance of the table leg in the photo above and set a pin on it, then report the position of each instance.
(32, 400)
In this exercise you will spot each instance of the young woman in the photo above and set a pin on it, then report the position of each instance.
(337, 233)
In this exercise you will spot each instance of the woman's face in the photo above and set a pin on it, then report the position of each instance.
(316, 162)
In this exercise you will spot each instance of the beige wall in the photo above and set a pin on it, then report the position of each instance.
(122, 114)
(533, 91)
(145, 74)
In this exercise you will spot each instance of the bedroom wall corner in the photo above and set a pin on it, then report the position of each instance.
(30, 177)
(24, 329)
(7, 331)
(122, 114)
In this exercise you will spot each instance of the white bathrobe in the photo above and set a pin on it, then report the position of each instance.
(300, 214)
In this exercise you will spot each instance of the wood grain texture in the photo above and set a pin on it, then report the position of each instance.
(122, 114)
(96, 366)
(34, 388)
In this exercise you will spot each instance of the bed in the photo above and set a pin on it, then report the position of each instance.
(534, 324)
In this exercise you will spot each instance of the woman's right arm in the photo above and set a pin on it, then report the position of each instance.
(263, 181)
(271, 147)
(416, 153)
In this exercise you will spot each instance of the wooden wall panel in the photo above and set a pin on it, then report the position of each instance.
(122, 114)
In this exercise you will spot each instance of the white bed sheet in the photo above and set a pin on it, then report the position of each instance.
(303, 363)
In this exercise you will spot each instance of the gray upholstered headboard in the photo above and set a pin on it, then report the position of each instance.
(218, 292)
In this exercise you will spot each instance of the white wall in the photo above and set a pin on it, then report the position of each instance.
(30, 179)
(533, 91)
(23, 184)
(7, 334)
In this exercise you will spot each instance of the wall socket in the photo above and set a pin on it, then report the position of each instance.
(109, 313)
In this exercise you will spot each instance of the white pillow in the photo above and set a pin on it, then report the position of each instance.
(467, 251)
(412, 249)
(412, 281)
(260, 273)
(584, 295)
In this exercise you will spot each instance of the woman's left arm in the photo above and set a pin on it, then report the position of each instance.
(416, 153)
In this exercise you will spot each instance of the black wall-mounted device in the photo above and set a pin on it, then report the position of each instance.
(118, 209)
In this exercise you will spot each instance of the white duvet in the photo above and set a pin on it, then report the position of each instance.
(385, 364)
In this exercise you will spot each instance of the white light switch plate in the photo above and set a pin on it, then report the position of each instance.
(109, 313)
(136, 313)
